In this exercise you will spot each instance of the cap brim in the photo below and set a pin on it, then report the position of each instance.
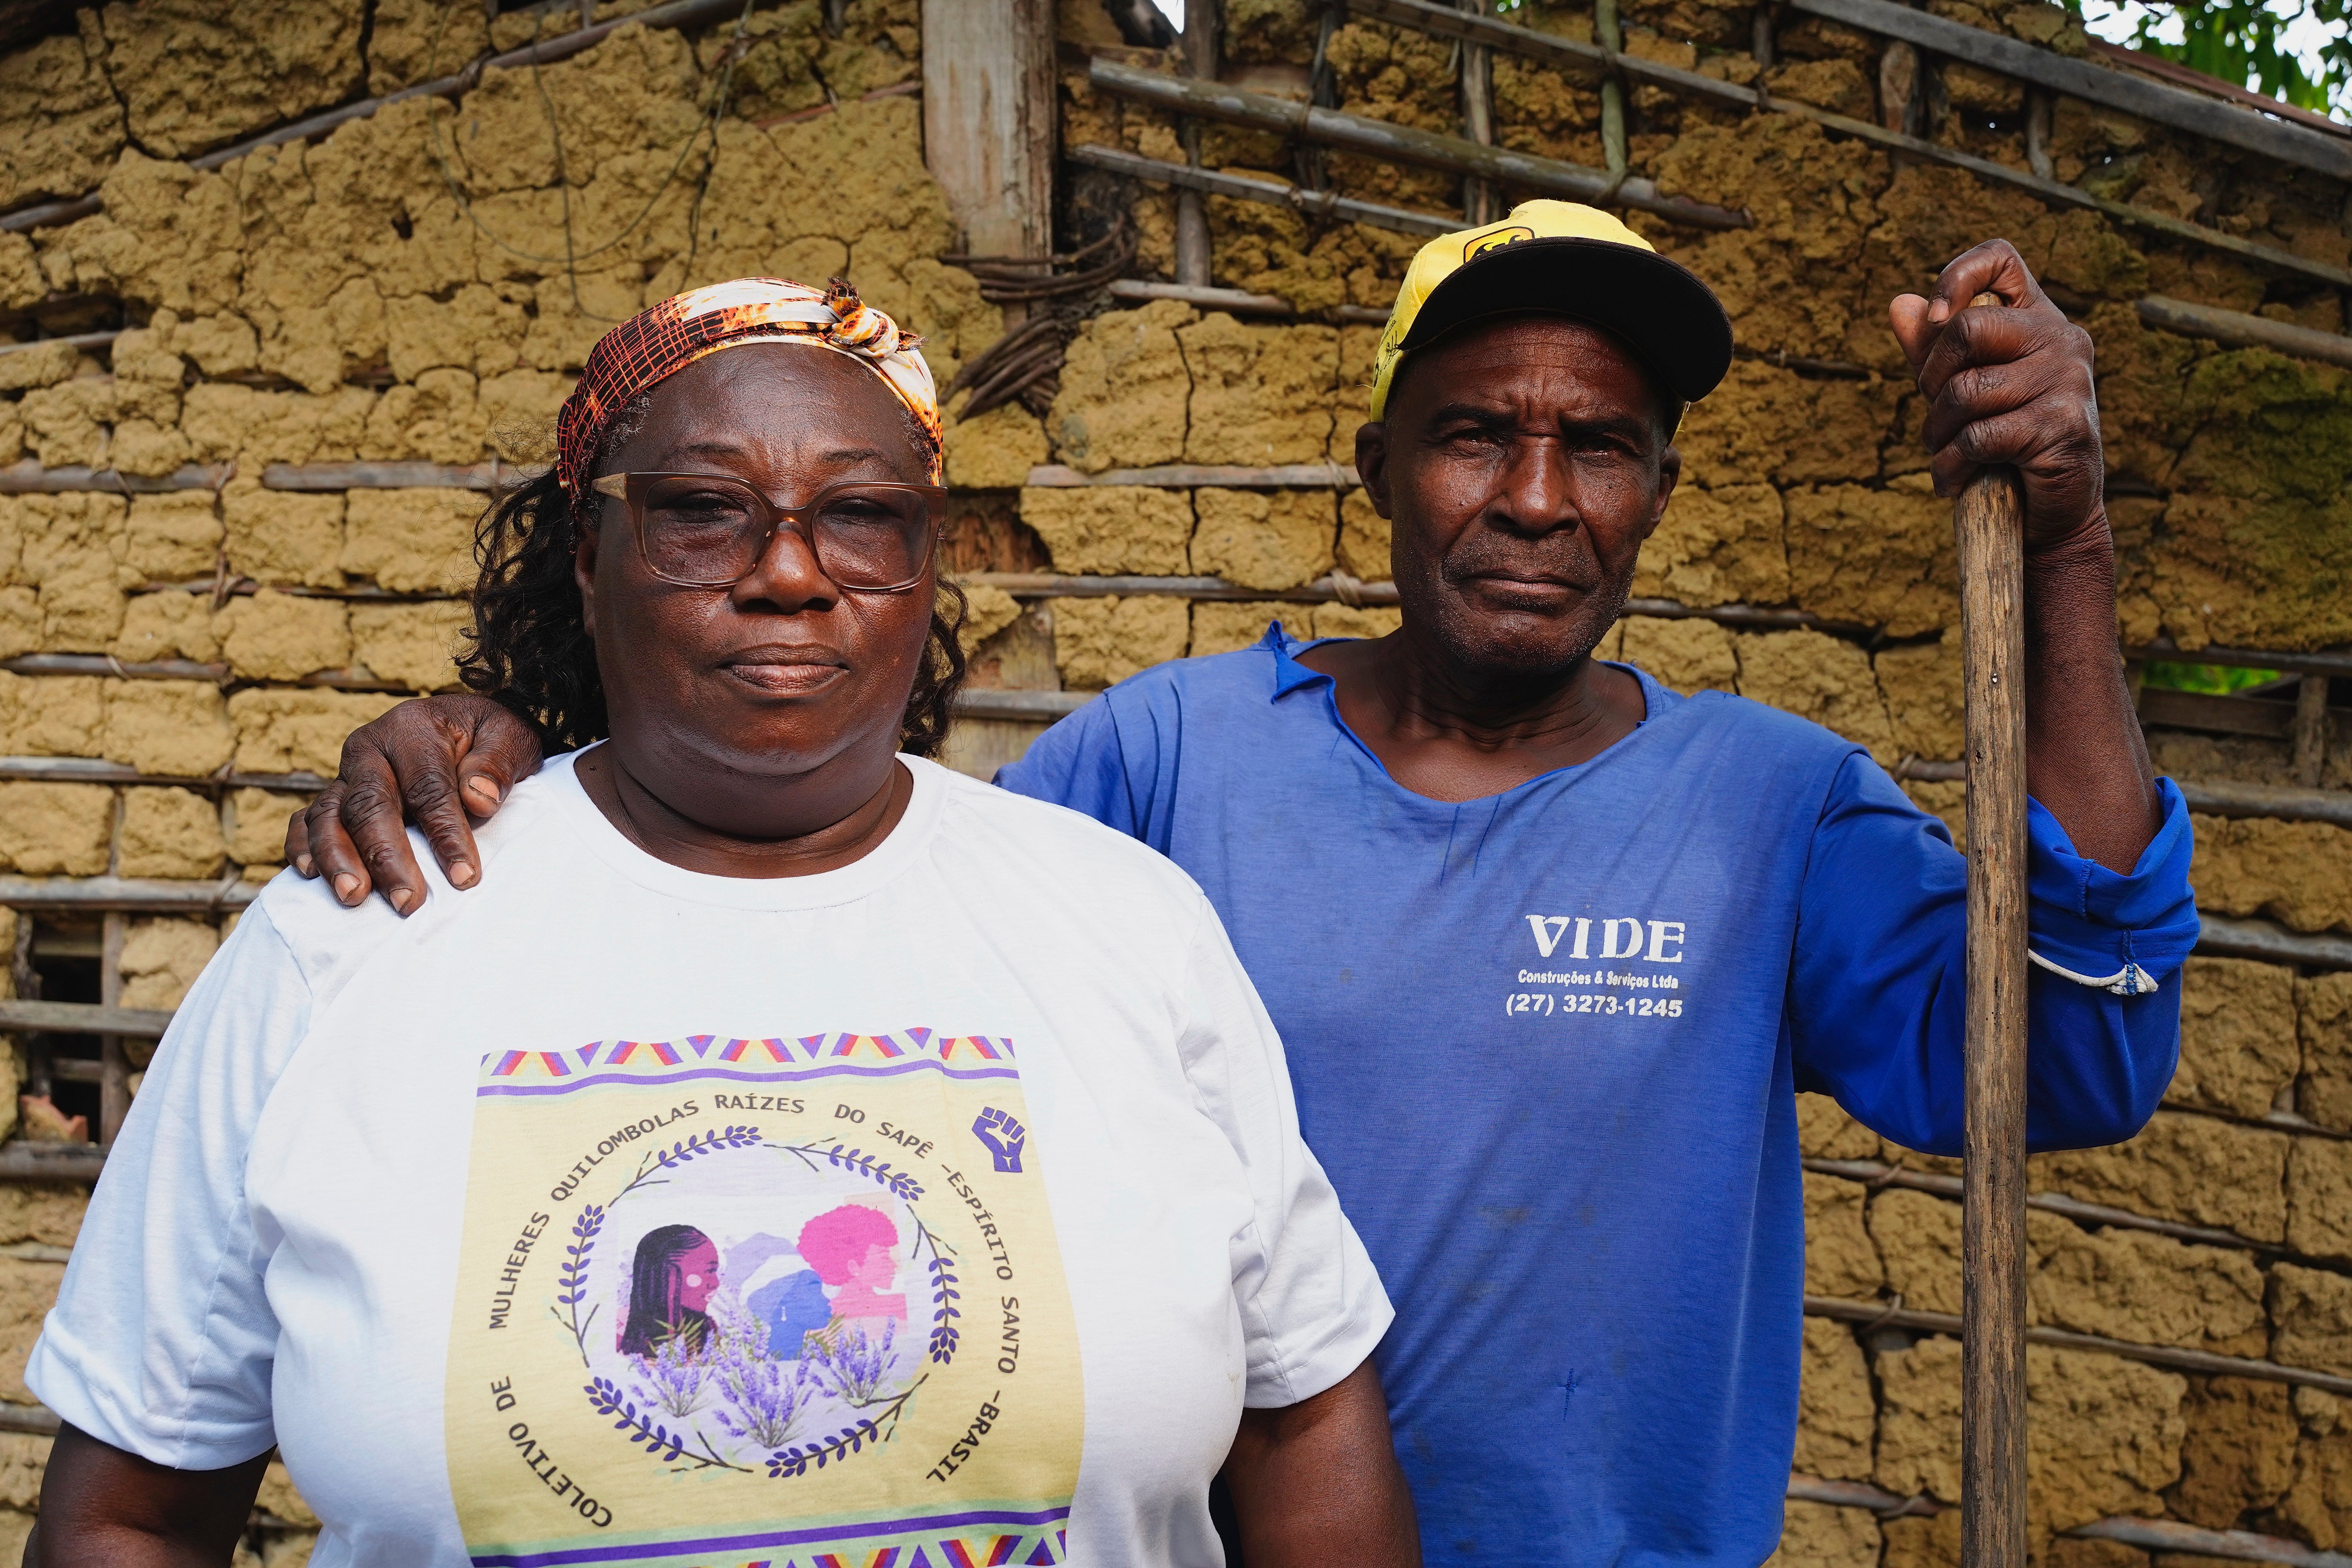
(1659, 309)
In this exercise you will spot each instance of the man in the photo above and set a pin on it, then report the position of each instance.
(1551, 948)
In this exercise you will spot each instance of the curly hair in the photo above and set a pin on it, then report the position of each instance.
(529, 647)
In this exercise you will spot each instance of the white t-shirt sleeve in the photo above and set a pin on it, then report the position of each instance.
(1312, 1307)
(161, 1340)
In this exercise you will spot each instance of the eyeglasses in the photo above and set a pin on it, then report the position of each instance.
(709, 530)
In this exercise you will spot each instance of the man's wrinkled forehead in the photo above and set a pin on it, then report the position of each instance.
(1510, 363)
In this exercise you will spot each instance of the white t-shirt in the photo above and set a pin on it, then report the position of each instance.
(950, 1201)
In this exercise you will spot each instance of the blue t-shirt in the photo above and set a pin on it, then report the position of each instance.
(1548, 1045)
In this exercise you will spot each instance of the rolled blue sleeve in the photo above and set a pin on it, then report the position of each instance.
(1878, 980)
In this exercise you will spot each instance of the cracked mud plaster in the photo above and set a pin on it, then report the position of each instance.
(172, 833)
(1822, 1535)
(1110, 530)
(1260, 395)
(1265, 538)
(1818, 677)
(411, 646)
(175, 729)
(257, 837)
(1687, 656)
(1716, 547)
(2196, 1169)
(2238, 1050)
(411, 541)
(2323, 1005)
(163, 957)
(298, 731)
(56, 830)
(278, 636)
(1100, 641)
(2299, 873)
(60, 121)
(2103, 1435)
(1124, 391)
(2119, 1283)
(1835, 1409)
(1227, 628)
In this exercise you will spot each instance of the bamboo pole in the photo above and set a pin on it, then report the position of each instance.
(1988, 521)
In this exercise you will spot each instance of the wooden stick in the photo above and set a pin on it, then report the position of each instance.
(1988, 519)
(114, 1064)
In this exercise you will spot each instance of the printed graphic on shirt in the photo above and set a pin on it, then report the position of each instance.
(731, 1303)
(1577, 970)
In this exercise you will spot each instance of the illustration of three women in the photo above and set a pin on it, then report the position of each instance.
(850, 1251)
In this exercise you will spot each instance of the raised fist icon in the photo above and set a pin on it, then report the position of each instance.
(1003, 1136)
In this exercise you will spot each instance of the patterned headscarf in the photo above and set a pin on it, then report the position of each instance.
(663, 339)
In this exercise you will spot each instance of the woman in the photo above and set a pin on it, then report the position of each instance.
(747, 962)
(676, 1271)
(852, 1249)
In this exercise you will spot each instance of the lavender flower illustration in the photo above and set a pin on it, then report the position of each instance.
(881, 1426)
(687, 1150)
(571, 1277)
(676, 1376)
(856, 1363)
(763, 1400)
(945, 1335)
(659, 1443)
(859, 1162)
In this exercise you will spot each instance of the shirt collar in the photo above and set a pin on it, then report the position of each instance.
(1289, 675)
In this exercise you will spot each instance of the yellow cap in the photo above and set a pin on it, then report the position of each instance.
(1562, 258)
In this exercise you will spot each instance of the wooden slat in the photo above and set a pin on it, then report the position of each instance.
(2203, 1362)
(1876, 1174)
(2165, 1535)
(1314, 203)
(72, 341)
(1401, 143)
(2172, 1537)
(83, 1019)
(1556, 50)
(1206, 296)
(2195, 81)
(1048, 585)
(2231, 936)
(2237, 328)
(37, 1419)
(150, 894)
(94, 770)
(28, 477)
(2183, 111)
(2229, 799)
(2222, 715)
(389, 476)
(23, 1160)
